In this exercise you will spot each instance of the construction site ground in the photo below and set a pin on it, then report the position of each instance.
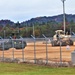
(42, 51)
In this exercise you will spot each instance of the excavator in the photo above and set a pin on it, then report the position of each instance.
(60, 38)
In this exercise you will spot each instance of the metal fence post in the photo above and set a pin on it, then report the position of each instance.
(13, 49)
(46, 49)
(60, 53)
(34, 49)
(22, 50)
(3, 50)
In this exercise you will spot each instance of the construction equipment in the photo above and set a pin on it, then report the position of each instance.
(60, 38)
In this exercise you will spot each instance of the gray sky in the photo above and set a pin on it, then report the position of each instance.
(22, 10)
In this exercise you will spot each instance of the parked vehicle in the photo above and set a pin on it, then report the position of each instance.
(5, 44)
(61, 38)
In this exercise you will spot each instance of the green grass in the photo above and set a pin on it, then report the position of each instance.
(30, 69)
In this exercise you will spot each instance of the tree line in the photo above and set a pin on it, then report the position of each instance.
(48, 29)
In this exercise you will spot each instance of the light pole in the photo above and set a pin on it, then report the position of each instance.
(64, 31)
(63, 1)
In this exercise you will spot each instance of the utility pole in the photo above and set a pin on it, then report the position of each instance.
(64, 31)
(63, 1)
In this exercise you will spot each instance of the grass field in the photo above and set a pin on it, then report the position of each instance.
(30, 69)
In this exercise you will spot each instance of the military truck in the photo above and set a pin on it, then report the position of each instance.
(18, 43)
(61, 38)
(5, 44)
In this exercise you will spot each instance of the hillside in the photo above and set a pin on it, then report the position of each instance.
(6, 22)
(40, 20)
(43, 25)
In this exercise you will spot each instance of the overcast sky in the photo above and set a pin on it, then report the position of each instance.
(22, 10)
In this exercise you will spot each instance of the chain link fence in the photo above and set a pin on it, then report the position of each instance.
(38, 50)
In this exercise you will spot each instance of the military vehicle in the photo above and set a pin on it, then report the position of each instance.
(5, 44)
(18, 43)
(61, 38)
